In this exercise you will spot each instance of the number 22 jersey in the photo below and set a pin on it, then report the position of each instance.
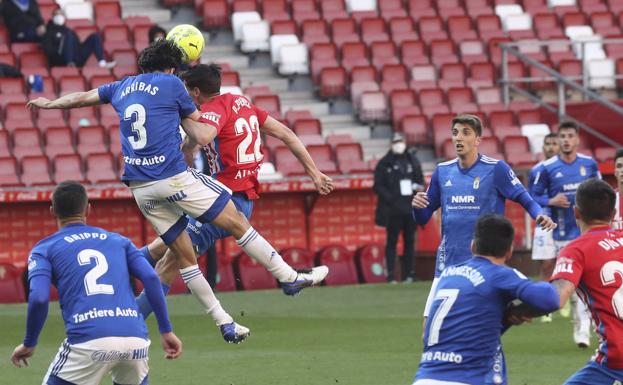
(594, 264)
(235, 156)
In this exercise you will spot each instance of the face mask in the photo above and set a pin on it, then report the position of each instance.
(58, 19)
(399, 147)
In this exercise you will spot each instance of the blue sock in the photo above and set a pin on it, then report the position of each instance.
(145, 251)
(143, 303)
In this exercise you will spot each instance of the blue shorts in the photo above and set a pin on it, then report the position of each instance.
(203, 235)
(595, 374)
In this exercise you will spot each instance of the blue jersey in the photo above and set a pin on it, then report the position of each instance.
(89, 266)
(150, 107)
(464, 195)
(462, 333)
(557, 176)
(542, 200)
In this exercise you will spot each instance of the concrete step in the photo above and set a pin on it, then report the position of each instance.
(276, 85)
(316, 107)
(302, 96)
(236, 62)
(338, 120)
(146, 4)
(358, 133)
(219, 49)
(259, 73)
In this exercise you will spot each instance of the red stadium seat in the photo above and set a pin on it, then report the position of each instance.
(373, 29)
(529, 116)
(20, 48)
(489, 26)
(100, 168)
(67, 167)
(304, 10)
(35, 171)
(253, 276)
(215, 14)
(322, 55)
(502, 118)
(18, 111)
(402, 29)
(421, 8)
(335, 139)
(8, 172)
(432, 101)
(383, 53)
(283, 27)
(415, 128)
(344, 31)
(535, 6)
(461, 100)
(286, 162)
(49, 118)
(69, 84)
(373, 107)
(392, 8)
(515, 145)
(489, 99)
(8, 58)
(481, 75)
(452, 75)
(350, 158)
(604, 24)
(546, 25)
(541, 84)
(106, 10)
(307, 127)
(371, 263)
(413, 52)
(573, 18)
(315, 31)
(323, 157)
(476, 8)
(252, 92)
(100, 80)
(402, 102)
(354, 54)
(32, 59)
(245, 6)
(84, 31)
(443, 52)
(461, 28)
(58, 141)
(91, 140)
(11, 284)
(423, 76)
(292, 116)
(448, 8)
(332, 82)
(84, 116)
(116, 37)
(442, 125)
(140, 34)
(333, 9)
(298, 258)
(57, 72)
(230, 78)
(341, 265)
(502, 132)
(114, 140)
(489, 146)
(269, 103)
(274, 10)
(126, 58)
(431, 28)
(571, 69)
(5, 144)
(26, 142)
(393, 77)
(11, 85)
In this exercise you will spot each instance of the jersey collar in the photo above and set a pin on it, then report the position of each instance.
(466, 170)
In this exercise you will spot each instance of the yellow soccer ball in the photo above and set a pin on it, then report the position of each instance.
(189, 39)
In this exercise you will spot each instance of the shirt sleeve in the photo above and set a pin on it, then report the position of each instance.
(38, 264)
(185, 103)
(107, 91)
(422, 216)
(534, 177)
(214, 114)
(569, 265)
(540, 185)
(506, 181)
(262, 115)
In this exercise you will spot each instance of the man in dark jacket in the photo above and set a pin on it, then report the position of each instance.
(63, 47)
(23, 19)
(397, 176)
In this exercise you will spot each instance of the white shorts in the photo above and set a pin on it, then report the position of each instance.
(165, 202)
(431, 297)
(559, 245)
(543, 245)
(88, 362)
(437, 382)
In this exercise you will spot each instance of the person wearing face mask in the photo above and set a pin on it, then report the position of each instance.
(397, 176)
(62, 45)
(23, 19)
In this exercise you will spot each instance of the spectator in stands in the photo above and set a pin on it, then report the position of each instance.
(23, 19)
(63, 47)
(156, 33)
(397, 176)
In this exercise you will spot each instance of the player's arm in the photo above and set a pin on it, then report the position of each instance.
(73, 100)
(565, 290)
(141, 269)
(426, 203)
(200, 132)
(535, 175)
(274, 128)
(38, 299)
(188, 149)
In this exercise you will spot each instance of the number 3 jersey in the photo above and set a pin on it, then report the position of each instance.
(149, 107)
(594, 264)
(89, 266)
(463, 330)
(235, 155)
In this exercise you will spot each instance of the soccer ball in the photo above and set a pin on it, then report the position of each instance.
(189, 39)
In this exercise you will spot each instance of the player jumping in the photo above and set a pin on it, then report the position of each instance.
(234, 158)
(462, 336)
(91, 268)
(165, 189)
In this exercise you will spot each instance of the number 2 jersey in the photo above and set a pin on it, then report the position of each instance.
(89, 266)
(462, 333)
(594, 264)
(235, 156)
(150, 107)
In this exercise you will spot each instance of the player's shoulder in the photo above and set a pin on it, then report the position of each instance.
(537, 167)
(447, 163)
(46, 243)
(489, 160)
(551, 162)
(586, 159)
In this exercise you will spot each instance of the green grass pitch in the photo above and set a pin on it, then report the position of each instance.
(359, 335)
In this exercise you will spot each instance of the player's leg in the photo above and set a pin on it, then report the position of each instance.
(391, 242)
(135, 369)
(595, 374)
(544, 252)
(78, 364)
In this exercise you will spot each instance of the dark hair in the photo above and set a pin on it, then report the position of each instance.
(469, 120)
(153, 31)
(618, 154)
(493, 236)
(206, 77)
(69, 199)
(161, 55)
(569, 125)
(595, 200)
(551, 135)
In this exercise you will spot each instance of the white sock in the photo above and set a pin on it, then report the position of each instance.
(259, 249)
(196, 282)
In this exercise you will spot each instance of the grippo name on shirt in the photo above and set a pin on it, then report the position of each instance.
(83, 236)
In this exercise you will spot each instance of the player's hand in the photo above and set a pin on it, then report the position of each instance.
(21, 354)
(560, 200)
(546, 222)
(171, 345)
(38, 103)
(323, 183)
(420, 200)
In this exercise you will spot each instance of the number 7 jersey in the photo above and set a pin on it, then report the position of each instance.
(594, 264)
(235, 155)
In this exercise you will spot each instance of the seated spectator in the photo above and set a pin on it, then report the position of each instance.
(63, 47)
(156, 33)
(23, 19)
